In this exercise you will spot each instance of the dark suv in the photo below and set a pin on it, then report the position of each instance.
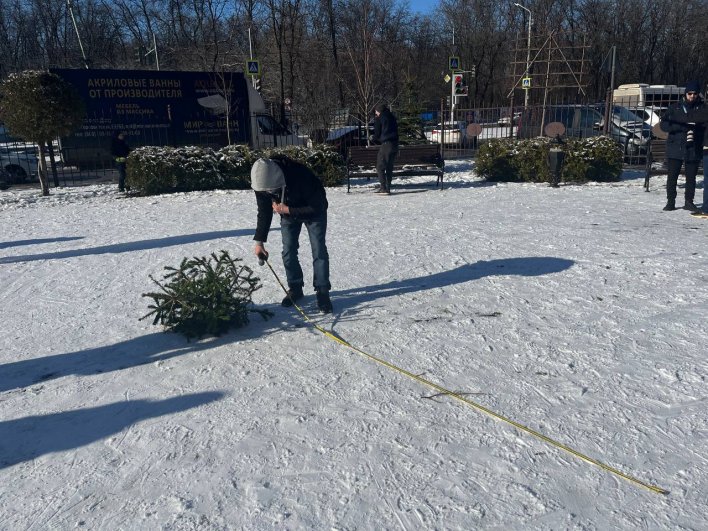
(583, 121)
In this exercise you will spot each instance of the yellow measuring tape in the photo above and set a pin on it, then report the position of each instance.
(472, 403)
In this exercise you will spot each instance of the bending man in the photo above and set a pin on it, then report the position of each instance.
(290, 189)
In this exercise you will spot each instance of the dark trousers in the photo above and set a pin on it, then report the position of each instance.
(384, 163)
(705, 181)
(673, 167)
(316, 230)
(121, 175)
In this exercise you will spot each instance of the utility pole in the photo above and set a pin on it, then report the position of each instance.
(154, 50)
(528, 53)
(254, 81)
(70, 6)
(612, 74)
(453, 99)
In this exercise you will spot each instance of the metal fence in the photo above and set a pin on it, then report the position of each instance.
(460, 131)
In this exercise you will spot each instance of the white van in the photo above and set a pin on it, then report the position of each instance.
(639, 95)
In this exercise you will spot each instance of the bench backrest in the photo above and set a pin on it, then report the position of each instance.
(421, 154)
(658, 149)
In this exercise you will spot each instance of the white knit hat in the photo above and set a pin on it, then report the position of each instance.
(266, 174)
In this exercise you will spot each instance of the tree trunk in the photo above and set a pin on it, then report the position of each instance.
(55, 175)
(42, 168)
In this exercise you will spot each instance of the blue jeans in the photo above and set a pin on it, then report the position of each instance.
(704, 206)
(316, 230)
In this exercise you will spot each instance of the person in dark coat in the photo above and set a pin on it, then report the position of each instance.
(120, 151)
(683, 146)
(386, 134)
(699, 117)
(290, 189)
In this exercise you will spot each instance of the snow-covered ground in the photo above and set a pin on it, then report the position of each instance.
(580, 312)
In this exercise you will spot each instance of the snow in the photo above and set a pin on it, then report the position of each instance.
(579, 312)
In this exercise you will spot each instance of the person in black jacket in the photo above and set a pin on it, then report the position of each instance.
(386, 134)
(290, 189)
(120, 151)
(683, 146)
(699, 117)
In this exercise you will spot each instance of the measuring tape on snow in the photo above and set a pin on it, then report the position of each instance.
(469, 402)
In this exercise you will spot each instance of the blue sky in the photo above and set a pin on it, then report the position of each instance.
(422, 6)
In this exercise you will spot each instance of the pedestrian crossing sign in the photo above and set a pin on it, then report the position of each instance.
(253, 68)
(526, 83)
(453, 62)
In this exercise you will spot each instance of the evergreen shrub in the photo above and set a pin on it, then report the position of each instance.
(205, 296)
(588, 159)
(323, 160)
(159, 170)
(235, 163)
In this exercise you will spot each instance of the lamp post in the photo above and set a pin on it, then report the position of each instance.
(528, 53)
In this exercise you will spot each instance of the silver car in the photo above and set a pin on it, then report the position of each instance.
(18, 159)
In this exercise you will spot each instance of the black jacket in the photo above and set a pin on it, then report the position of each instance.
(304, 194)
(119, 148)
(673, 122)
(698, 115)
(386, 128)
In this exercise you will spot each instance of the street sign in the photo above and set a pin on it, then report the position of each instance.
(253, 68)
(447, 78)
(453, 62)
(526, 83)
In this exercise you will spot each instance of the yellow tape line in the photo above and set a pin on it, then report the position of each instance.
(472, 403)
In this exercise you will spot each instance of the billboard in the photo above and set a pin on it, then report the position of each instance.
(156, 108)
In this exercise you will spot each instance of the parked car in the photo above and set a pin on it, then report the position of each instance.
(4, 179)
(453, 133)
(18, 159)
(628, 129)
(650, 115)
(583, 121)
(19, 166)
(508, 120)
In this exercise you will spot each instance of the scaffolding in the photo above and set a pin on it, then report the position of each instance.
(556, 63)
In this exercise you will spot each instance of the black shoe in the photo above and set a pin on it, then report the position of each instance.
(670, 206)
(690, 206)
(382, 191)
(294, 295)
(323, 302)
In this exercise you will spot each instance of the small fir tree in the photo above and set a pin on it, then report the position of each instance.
(39, 107)
(205, 296)
(410, 128)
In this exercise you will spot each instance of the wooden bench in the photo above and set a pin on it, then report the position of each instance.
(656, 159)
(423, 159)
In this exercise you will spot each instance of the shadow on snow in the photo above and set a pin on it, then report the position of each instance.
(31, 437)
(131, 353)
(129, 246)
(37, 241)
(528, 266)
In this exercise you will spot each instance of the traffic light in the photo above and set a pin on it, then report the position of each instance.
(257, 83)
(459, 84)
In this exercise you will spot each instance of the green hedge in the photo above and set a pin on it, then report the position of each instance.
(159, 170)
(589, 159)
(322, 159)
